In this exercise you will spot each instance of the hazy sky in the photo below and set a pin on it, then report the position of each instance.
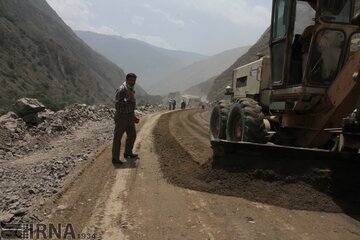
(203, 26)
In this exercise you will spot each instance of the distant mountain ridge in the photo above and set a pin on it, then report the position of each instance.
(197, 72)
(150, 63)
(40, 56)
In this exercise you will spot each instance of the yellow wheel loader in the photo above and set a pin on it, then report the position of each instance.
(304, 96)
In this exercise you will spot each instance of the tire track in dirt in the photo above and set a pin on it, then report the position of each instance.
(88, 199)
(194, 137)
(191, 124)
(155, 209)
(80, 198)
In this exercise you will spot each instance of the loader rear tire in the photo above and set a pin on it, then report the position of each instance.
(246, 122)
(218, 120)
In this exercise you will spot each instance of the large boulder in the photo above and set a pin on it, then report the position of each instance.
(32, 119)
(27, 106)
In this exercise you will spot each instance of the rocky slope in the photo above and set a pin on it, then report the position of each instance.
(224, 79)
(41, 57)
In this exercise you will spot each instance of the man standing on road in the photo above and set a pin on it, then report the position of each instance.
(124, 119)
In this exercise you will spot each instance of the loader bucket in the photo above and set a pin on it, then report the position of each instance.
(223, 147)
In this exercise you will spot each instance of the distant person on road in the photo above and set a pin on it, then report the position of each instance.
(173, 104)
(183, 104)
(125, 104)
(170, 103)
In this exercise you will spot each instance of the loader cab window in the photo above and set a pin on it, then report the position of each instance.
(279, 40)
(356, 7)
(304, 19)
(280, 22)
(356, 15)
(325, 57)
(354, 44)
(336, 11)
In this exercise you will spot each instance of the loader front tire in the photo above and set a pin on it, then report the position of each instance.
(246, 122)
(218, 120)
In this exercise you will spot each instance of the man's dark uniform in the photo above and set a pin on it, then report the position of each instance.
(124, 121)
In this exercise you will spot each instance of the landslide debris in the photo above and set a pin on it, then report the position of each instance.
(37, 157)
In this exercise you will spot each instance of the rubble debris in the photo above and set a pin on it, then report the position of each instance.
(39, 181)
(19, 136)
(6, 217)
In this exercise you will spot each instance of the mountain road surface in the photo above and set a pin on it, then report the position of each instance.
(174, 192)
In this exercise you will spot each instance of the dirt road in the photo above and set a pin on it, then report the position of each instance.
(172, 192)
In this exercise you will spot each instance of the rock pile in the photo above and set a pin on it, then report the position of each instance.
(18, 137)
(25, 184)
(143, 110)
(39, 181)
(31, 125)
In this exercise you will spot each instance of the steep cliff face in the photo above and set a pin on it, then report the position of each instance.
(40, 56)
(224, 79)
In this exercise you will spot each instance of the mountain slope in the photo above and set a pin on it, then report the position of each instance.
(201, 89)
(150, 63)
(197, 72)
(224, 79)
(40, 56)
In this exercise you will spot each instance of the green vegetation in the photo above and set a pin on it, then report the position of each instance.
(4, 107)
(4, 83)
(49, 102)
(34, 68)
(10, 64)
(51, 66)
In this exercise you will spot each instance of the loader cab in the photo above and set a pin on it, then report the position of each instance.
(309, 44)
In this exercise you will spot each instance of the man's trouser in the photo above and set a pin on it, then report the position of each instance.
(123, 123)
